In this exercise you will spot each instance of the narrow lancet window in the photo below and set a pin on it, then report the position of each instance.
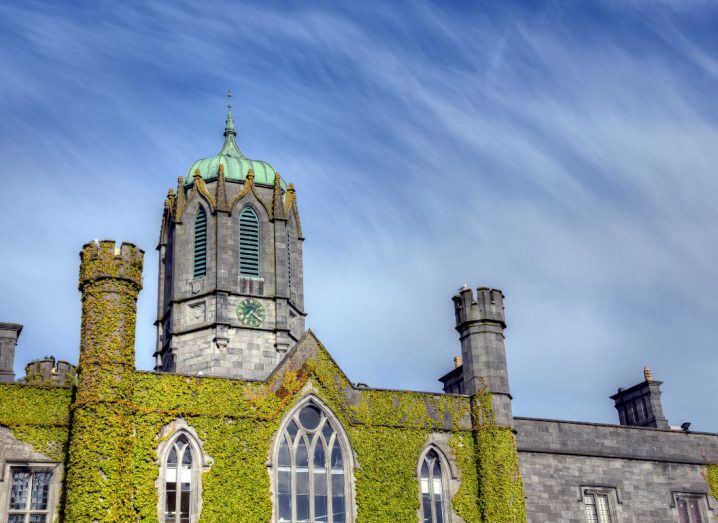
(179, 482)
(249, 242)
(289, 260)
(311, 469)
(200, 243)
(432, 488)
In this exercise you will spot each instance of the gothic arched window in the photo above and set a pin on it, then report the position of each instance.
(289, 260)
(180, 481)
(313, 470)
(249, 242)
(433, 490)
(200, 243)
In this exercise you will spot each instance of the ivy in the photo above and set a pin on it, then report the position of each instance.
(118, 416)
(37, 415)
(501, 493)
(712, 478)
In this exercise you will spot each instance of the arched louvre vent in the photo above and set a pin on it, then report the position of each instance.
(289, 259)
(200, 243)
(249, 243)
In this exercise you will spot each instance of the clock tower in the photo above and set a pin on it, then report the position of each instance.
(231, 295)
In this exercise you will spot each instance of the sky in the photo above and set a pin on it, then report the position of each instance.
(562, 151)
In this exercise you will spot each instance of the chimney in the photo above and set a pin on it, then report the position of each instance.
(9, 334)
(640, 405)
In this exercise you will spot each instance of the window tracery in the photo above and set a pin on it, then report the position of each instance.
(312, 472)
(433, 488)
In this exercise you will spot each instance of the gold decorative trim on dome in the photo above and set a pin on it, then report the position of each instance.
(221, 190)
(180, 202)
(277, 205)
(290, 205)
(247, 188)
(199, 187)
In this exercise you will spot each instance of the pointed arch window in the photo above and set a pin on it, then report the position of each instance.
(249, 242)
(200, 243)
(180, 481)
(432, 483)
(312, 473)
(289, 260)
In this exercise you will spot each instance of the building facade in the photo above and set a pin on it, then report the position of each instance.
(247, 418)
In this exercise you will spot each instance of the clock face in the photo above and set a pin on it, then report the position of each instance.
(250, 312)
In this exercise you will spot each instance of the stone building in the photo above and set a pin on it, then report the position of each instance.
(247, 418)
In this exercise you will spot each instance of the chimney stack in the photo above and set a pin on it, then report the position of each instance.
(9, 334)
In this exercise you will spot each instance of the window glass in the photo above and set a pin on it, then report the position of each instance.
(29, 495)
(690, 509)
(310, 472)
(431, 484)
(597, 507)
(179, 482)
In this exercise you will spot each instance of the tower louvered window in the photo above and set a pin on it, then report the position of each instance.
(289, 261)
(249, 243)
(200, 243)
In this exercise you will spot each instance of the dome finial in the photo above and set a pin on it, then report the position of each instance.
(229, 125)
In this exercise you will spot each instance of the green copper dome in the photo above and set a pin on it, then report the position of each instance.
(236, 164)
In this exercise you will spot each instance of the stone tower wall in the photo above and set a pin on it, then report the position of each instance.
(197, 319)
(480, 323)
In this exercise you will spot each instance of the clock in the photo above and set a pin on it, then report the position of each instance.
(250, 312)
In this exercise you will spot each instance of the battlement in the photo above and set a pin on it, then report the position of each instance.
(486, 305)
(101, 260)
(47, 371)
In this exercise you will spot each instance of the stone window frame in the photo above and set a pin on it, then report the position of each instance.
(54, 490)
(350, 463)
(447, 473)
(701, 497)
(200, 464)
(604, 490)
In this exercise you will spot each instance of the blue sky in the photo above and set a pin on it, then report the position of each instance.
(565, 152)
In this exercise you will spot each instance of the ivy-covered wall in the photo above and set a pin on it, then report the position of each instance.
(388, 430)
(237, 420)
(107, 430)
(712, 478)
(37, 415)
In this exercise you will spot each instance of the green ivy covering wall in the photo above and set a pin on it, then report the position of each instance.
(37, 415)
(501, 492)
(712, 478)
(237, 420)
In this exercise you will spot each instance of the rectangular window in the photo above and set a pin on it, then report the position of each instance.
(29, 495)
(598, 505)
(690, 508)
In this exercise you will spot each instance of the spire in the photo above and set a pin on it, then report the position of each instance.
(180, 202)
(277, 204)
(221, 190)
(229, 125)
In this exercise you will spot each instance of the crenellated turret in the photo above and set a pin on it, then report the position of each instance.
(110, 281)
